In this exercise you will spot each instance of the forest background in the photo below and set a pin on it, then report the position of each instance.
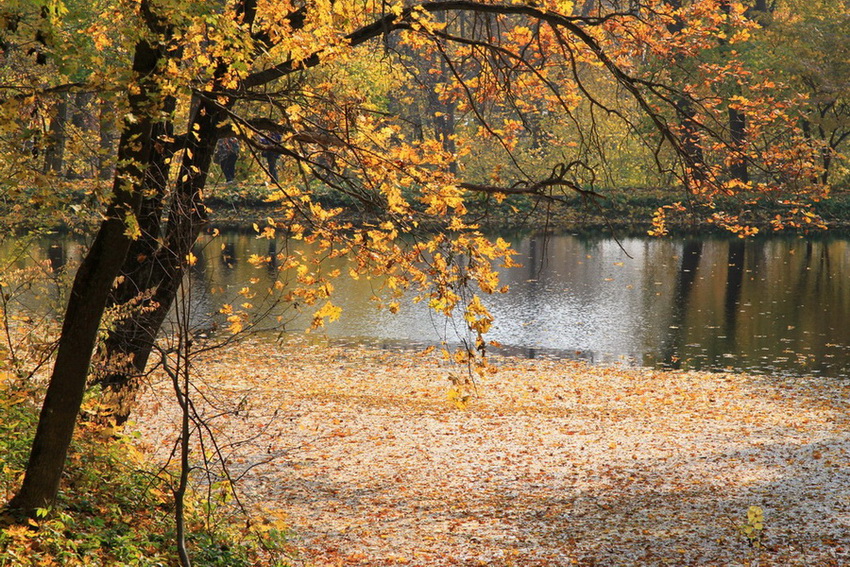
(387, 134)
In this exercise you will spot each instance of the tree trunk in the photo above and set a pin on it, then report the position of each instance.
(121, 359)
(156, 265)
(84, 119)
(157, 273)
(54, 155)
(691, 143)
(87, 300)
(737, 134)
(826, 160)
(105, 162)
(737, 163)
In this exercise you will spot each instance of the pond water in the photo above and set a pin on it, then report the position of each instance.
(765, 305)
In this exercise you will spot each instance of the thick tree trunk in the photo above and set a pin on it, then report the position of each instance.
(691, 142)
(121, 355)
(87, 302)
(156, 272)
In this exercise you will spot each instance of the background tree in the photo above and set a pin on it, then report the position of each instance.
(804, 44)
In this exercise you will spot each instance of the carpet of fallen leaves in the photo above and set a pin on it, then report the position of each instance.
(553, 463)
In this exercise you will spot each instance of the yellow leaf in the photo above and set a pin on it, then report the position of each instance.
(329, 311)
(458, 397)
(235, 324)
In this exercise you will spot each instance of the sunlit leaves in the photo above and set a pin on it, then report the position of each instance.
(328, 311)
(132, 226)
(753, 528)
(478, 317)
(458, 397)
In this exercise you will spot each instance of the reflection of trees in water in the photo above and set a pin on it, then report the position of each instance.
(228, 253)
(535, 265)
(57, 255)
(735, 257)
(686, 275)
(274, 261)
(762, 301)
(820, 306)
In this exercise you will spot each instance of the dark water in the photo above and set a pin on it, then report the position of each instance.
(767, 305)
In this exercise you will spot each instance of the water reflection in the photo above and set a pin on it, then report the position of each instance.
(764, 305)
(57, 256)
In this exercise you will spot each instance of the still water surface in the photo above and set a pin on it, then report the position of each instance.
(768, 305)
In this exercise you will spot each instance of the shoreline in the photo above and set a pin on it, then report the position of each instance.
(622, 213)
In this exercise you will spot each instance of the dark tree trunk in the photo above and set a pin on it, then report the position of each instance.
(737, 133)
(827, 152)
(87, 301)
(81, 115)
(826, 156)
(444, 127)
(691, 142)
(84, 119)
(54, 155)
(155, 267)
(157, 270)
(122, 356)
(105, 162)
(737, 164)
(830, 150)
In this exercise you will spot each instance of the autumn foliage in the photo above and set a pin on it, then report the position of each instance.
(416, 118)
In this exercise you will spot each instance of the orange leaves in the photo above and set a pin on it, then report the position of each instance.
(659, 219)
(235, 319)
(733, 224)
(440, 199)
(379, 466)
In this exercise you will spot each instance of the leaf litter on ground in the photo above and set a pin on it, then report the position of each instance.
(554, 462)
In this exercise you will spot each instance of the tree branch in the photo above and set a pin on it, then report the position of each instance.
(393, 22)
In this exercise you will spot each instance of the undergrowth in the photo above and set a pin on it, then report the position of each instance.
(115, 507)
